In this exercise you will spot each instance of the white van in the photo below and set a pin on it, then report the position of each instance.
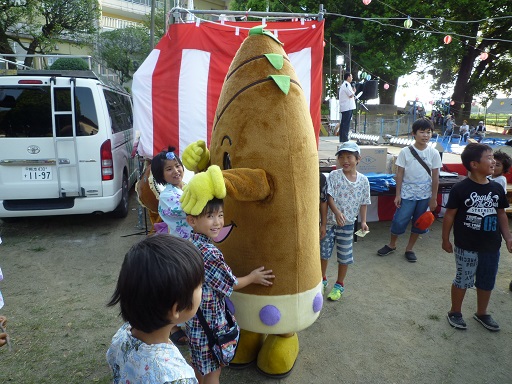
(66, 139)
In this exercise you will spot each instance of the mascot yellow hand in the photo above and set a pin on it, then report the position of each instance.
(202, 188)
(196, 156)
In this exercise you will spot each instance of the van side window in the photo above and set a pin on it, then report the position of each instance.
(85, 112)
(26, 112)
(120, 111)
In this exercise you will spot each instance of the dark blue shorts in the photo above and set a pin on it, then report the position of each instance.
(475, 268)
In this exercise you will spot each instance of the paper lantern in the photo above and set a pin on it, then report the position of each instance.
(473, 103)
(417, 99)
(484, 56)
(502, 103)
(452, 102)
(408, 23)
(386, 86)
(431, 102)
(447, 39)
(368, 77)
(363, 75)
(462, 106)
(366, 2)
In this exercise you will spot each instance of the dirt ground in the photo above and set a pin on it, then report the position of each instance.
(389, 327)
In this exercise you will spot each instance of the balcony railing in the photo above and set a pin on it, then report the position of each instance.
(114, 23)
(147, 3)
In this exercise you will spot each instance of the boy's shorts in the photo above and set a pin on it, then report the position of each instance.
(409, 209)
(480, 265)
(344, 237)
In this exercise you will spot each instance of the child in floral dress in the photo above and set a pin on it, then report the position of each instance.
(167, 170)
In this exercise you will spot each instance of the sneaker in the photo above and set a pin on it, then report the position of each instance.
(456, 321)
(410, 256)
(385, 250)
(487, 321)
(324, 282)
(336, 293)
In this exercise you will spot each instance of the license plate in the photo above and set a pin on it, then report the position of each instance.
(36, 173)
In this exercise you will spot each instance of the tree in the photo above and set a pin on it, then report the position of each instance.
(460, 63)
(48, 22)
(123, 49)
(11, 14)
(387, 50)
(160, 26)
(387, 53)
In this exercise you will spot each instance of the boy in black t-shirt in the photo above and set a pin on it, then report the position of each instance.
(476, 210)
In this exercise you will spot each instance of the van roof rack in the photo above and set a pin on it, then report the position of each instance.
(96, 69)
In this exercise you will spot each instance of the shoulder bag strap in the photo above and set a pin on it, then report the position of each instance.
(207, 329)
(420, 160)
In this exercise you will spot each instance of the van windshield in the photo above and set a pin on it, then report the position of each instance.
(26, 111)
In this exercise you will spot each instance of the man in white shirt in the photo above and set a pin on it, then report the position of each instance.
(347, 105)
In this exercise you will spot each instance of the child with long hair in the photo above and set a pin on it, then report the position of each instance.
(219, 283)
(159, 286)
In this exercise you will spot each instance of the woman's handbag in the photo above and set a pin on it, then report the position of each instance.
(224, 343)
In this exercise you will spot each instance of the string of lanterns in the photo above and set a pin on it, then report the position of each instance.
(447, 39)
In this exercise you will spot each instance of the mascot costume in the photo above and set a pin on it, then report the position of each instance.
(264, 145)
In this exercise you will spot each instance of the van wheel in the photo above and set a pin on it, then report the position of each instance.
(121, 210)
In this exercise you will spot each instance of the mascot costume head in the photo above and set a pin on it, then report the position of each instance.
(263, 141)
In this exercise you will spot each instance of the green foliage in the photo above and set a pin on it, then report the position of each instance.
(48, 22)
(70, 64)
(124, 49)
(459, 63)
(380, 45)
(159, 29)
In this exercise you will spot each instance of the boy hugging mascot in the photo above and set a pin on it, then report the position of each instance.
(263, 149)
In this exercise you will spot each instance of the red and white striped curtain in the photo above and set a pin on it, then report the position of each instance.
(176, 89)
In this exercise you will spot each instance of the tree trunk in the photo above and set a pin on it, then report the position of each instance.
(31, 50)
(461, 92)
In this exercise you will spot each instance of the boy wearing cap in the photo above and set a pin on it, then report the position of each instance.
(416, 187)
(348, 194)
(476, 211)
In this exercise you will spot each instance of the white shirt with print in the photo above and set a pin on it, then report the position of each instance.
(348, 196)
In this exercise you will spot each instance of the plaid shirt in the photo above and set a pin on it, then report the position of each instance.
(218, 284)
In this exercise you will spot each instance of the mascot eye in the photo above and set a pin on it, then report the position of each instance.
(226, 163)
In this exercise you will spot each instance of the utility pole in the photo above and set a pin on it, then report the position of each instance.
(152, 25)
